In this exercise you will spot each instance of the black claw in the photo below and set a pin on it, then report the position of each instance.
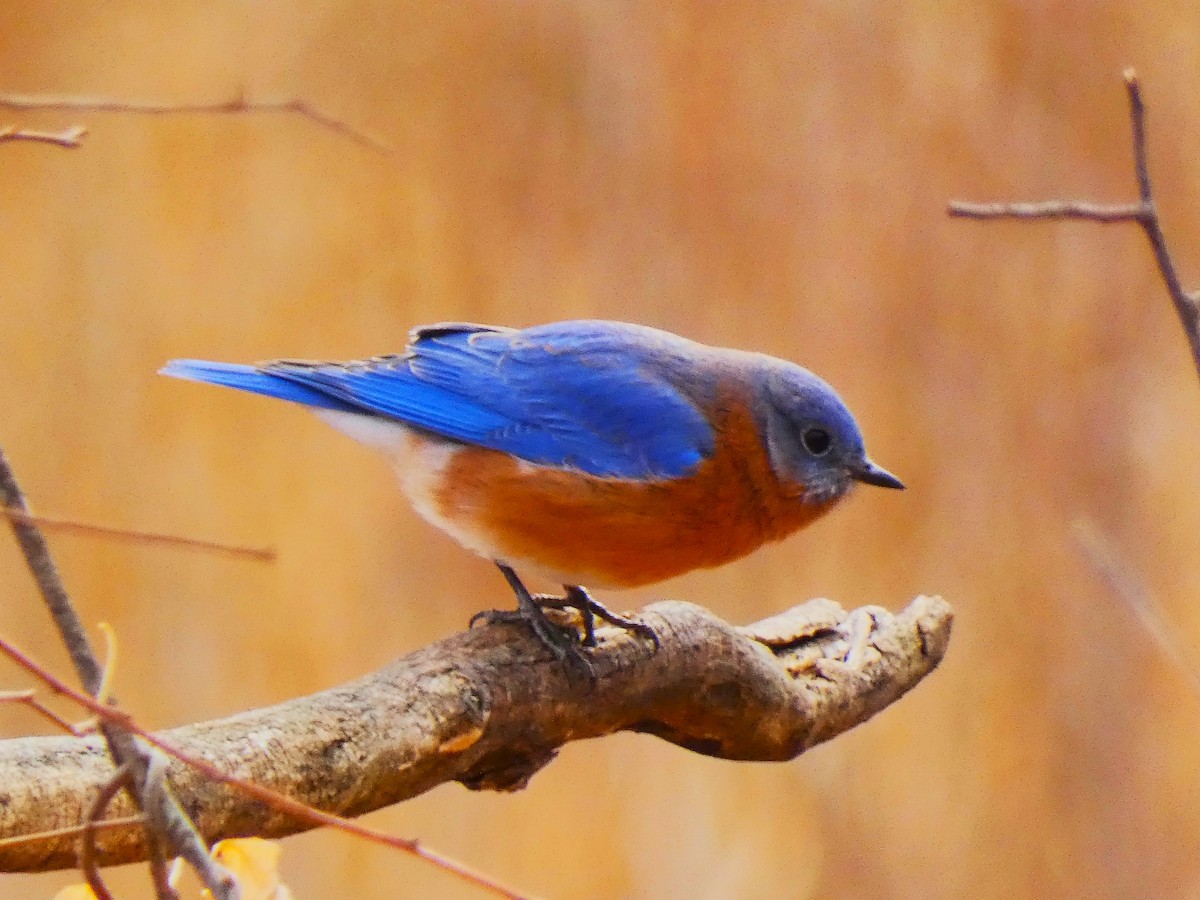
(562, 642)
(559, 642)
(591, 608)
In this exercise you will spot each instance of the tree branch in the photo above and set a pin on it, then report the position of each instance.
(1144, 213)
(236, 105)
(123, 749)
(488, 708)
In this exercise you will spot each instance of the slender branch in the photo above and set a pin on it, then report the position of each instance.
(123, 749)
(488, 708)
(87, 843)
(178, 831)
(74, 830)
(45, 573)
(1127, 587)
(303, 812)
(29, 698)
(266, 554)
(1144, 213)
(237, 105)
(1050, 209)
(69, 138)
(1185, 306)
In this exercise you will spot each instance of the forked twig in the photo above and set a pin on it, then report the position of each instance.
(273, 799)
(123, 748)
(1144, 213)
(1096, 548)
(295, 106)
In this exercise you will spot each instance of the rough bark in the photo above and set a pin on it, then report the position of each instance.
(488, 708)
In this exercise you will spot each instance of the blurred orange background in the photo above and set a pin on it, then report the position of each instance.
(761, 175)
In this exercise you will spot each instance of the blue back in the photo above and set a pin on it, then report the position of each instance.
(595, 396)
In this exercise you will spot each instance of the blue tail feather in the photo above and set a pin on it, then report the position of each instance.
(249, 378)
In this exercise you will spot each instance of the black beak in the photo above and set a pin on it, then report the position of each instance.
(869, 473)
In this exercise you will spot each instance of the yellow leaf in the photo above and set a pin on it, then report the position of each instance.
(255, 862)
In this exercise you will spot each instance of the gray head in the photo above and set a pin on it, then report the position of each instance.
(812, 439)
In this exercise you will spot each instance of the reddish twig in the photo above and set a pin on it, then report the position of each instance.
(87, 841)
(277, 801)
(137, 821)
(122, 746)
(29, 698)
(1144, 213)
(295, 106)
(266, 554)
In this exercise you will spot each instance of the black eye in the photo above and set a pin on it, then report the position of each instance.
(816, 441)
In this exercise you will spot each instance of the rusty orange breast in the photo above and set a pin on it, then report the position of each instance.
(618, 532)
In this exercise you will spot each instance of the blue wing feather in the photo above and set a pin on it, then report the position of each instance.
(594, 396)
(251, 378)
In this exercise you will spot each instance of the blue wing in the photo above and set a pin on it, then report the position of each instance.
(594, 396)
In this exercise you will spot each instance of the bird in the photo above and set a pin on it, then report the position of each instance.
(592, 452)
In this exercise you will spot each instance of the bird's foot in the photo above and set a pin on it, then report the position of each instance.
(561, 642)
(591, 609)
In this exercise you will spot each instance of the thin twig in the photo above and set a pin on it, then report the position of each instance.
(1127, 587)
(1185, 306)
(266, 554)
(162, 865)
(45, 573)
(137, 821)
(122, 746)
(1144, 213)
(177, 830)
(294, 106)
(29, 698)
(69, 138)
(87, 842)
(1050, 209)
(275, 800)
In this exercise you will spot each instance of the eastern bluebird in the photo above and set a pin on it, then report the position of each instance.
(594, 452)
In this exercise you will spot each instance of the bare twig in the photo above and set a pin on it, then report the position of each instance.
(69, 137)
(1051, 209)
(29, 698)
(87, 842)
(17, 840)
(281, 803)
(1144, 213)
(122, 746)
(72, 831)
(266, 554)
(177, 831)
(161, 867)
(296, 107)
(1127, 587)
(45, 573)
